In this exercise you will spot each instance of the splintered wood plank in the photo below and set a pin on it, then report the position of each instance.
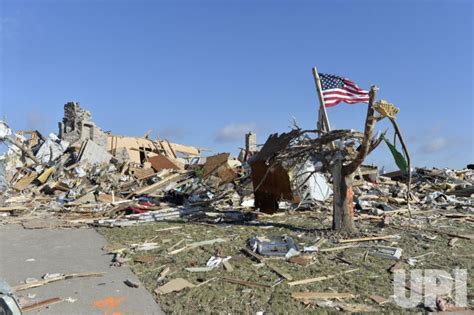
(366, 239)
(321, 295)
(41, 304)
(312, 280)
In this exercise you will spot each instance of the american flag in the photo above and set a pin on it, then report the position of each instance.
(338, 89)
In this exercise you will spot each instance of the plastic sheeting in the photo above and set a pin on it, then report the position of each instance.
(315, 187)
(51, 149)
(5, 131)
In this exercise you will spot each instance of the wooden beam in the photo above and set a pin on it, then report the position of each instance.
(321, 295)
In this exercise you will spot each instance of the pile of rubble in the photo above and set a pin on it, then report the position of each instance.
(88, 176)
(85, 176)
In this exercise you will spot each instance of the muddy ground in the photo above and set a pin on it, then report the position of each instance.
(425, 236)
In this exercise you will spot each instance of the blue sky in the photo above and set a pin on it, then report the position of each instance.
(206, 72)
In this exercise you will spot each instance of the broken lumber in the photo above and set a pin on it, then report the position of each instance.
(262, 260)
(312, 280)
(321, 295)
(322, 250)
(366, 239)
(40, 283)
(13, 208)
(40, 304)
(162, 183)
(228, 267)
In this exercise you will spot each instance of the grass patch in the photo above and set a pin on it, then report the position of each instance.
(219, 296)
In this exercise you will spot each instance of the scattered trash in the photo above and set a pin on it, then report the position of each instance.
(174, 285)
(131, 283)
(70, 300)
(214, 261)
(84, 176)
(272, 245)
(47, 278)
(385, 252)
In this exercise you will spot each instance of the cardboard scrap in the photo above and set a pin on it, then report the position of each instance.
(300, 260)
(174, 285)
(160, 162)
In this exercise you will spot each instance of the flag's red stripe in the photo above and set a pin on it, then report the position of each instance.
(331, 104)
(348, 88)
(350, 93)
(343, 93)
(330, 99)
(352, 84)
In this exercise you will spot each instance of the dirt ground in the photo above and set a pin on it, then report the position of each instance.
(425, 236)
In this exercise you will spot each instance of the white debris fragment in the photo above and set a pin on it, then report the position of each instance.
(215, 261)
(70, 300)
(30, 280)
(292, 252)
(310, 249)
(49, 276)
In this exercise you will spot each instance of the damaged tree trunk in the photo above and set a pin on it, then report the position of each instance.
(343, 208)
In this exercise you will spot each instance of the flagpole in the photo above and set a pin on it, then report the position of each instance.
(323, 121)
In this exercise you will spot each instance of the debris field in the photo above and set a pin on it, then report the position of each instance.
(254, 233)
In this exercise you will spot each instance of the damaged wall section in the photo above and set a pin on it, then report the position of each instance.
(77, 125)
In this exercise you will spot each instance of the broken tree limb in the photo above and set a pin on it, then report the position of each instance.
(27, 152)
(369, 128)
